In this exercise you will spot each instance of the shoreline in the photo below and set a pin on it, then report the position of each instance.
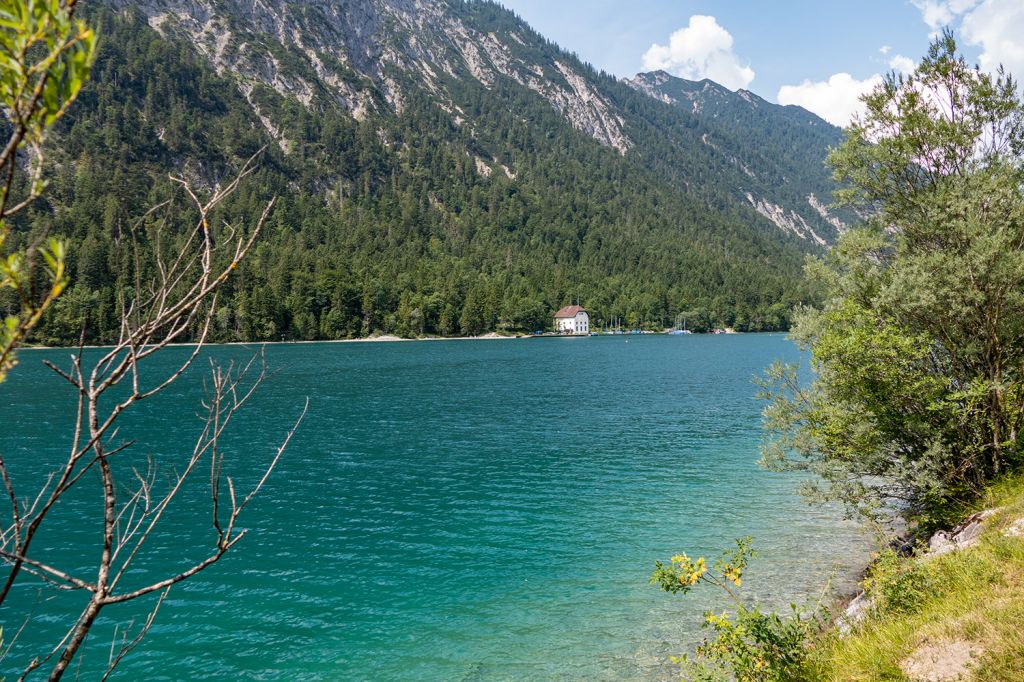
(390, 338)
(384, 338)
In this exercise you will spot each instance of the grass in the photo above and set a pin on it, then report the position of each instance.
(975, 595)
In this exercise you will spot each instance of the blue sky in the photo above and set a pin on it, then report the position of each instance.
(821, 54)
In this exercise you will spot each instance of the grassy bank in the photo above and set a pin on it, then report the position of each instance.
(950, 609)
(937, 617)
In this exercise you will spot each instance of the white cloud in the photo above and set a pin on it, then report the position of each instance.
(835, 100)
(994, 26)
(939, 13)
(902, 64)
(997, 26)
(703, 49)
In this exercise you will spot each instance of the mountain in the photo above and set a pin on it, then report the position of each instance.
(441, 168)
(787, 144)
(360, 55)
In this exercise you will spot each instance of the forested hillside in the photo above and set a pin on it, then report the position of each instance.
(779, 148)
(445, 200)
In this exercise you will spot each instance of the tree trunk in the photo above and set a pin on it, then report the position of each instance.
(77, 639)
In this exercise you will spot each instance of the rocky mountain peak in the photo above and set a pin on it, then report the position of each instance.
(363, 54)
(473, 62)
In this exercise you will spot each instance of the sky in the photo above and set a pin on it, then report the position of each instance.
(821, 55)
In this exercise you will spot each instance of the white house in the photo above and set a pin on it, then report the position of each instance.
(572, 319)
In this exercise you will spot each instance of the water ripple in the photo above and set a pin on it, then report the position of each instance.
(453, 511)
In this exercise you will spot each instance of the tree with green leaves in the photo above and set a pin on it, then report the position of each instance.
(918, 395)
(45, 58)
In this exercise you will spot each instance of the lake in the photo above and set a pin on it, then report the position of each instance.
(449, 510)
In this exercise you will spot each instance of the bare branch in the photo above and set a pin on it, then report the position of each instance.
(177, 302)
(126, 646)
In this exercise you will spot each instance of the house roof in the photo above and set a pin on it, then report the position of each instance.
(570, 311)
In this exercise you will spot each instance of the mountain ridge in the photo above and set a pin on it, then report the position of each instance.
(806, 136)
(348, 46)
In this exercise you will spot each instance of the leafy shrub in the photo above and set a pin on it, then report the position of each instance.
(898, 585)
(749, 645)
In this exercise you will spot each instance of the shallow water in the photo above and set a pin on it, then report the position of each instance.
(448, 510)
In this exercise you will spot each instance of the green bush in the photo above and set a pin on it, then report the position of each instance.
(749, 645)
(901, 586)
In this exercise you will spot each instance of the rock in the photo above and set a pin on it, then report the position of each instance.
(855, 612)
(941, 543)
(904, 545)
(941, 661)
(1015, 529)
(345, 45)
(963, 536)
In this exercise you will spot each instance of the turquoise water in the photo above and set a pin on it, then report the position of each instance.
(448, 511)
